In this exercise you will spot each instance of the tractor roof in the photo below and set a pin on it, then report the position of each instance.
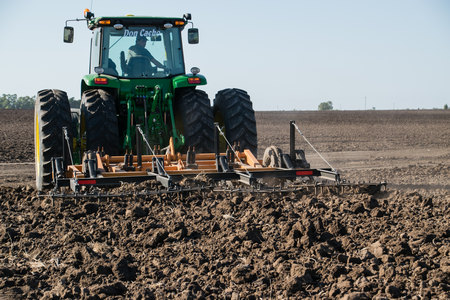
(135, 21)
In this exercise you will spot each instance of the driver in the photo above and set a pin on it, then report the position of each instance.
(139, 50)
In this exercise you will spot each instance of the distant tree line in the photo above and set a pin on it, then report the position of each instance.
(325, 106)
(329, 106)
(11, 101)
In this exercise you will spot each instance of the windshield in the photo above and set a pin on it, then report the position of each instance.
(142, 52)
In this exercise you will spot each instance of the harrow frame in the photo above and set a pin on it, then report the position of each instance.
(101, 170)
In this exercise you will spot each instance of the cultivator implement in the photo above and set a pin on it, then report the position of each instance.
(235, 170)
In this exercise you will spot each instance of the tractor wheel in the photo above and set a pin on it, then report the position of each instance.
(51, 114)
(75, 116)
(99, 121)
(233, 109)
(194, 108)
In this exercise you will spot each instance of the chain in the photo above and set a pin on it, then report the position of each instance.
(306, 140)
(153, 153)
(231, 147)
(66, 137)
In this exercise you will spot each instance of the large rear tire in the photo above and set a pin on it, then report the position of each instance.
(99, 122)
(197, 119)
(51, 114)
(233, 109)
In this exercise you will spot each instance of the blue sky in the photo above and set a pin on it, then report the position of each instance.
(287, 54)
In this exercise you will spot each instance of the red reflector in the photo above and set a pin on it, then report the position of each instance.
(303, 173)
(87, 181)
(101, 80)
(192, 80)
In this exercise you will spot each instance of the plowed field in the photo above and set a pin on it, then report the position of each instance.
(394, 244)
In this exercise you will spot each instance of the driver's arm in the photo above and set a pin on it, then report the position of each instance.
(131, 53)
(157, 63)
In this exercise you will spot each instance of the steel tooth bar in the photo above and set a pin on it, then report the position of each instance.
(304, 189)
(366, 188)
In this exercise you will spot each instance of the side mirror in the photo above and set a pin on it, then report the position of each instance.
(193, 37)
(68, 34)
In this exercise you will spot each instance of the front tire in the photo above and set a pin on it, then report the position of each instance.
(99, 122)
(233, 108)
(51, 114)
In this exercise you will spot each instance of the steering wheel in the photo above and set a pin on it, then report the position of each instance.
(167, 71)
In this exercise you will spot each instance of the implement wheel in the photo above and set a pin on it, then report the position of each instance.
(272, 157)
(51, 114)
(233, 108)
(99, 121)
(197, 121)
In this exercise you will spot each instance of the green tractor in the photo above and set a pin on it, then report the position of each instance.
(137, 77)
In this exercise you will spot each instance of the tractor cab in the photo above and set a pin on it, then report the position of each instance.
(138, 51)
(136, 47)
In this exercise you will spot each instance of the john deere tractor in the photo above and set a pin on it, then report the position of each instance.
(128, 87)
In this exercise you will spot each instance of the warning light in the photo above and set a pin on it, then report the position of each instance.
(88, 14)
(304, 173)
(86, 181)
(179, 23)
(104, 22)
(101, 80)
(193, 80)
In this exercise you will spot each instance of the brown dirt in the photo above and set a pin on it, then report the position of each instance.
(353, 246)
(16, 136)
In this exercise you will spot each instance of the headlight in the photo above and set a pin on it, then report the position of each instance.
(195, 70)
